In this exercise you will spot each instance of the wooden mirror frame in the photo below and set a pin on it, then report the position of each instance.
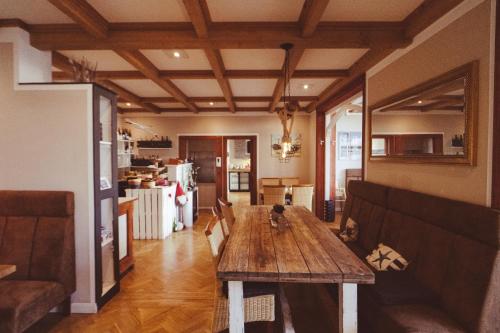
(470, 72)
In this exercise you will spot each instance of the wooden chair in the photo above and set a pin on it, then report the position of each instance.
(303, 196)
(290, 181)
(227, 212)
(218, 214)
(274, 195)
(266, 182)
(257, 308)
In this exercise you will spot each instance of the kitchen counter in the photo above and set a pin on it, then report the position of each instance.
(239, 170)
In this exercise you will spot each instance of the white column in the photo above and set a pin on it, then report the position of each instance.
(236, 307)
(348, 308)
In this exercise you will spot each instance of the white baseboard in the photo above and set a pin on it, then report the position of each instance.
(83, 308)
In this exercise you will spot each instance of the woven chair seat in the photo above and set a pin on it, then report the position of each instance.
(257, 308)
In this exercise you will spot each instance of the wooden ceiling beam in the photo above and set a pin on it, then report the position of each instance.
(208, 74)
(62, 62)
(139, 61)
(422, 17)
(200, 22)
(223, 99)
(214, 109)
(311, 14)
(85, 15)
(233, 35)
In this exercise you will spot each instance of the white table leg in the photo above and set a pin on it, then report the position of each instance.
(348, 308)
(236, 307)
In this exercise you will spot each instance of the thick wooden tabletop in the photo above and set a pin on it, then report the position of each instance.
(307, 251)
(6, 270)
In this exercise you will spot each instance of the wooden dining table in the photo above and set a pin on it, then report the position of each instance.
(7, 270)
(305, 252)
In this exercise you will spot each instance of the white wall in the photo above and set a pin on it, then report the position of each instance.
(262, 126)
(30, 64)
(45, 135)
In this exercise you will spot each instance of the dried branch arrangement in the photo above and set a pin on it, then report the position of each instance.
(83, 70)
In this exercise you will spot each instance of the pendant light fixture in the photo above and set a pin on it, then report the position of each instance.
(287, 113)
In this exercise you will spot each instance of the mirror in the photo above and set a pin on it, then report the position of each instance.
(434, 122)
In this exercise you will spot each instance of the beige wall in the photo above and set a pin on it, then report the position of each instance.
(464, 40)
(45, 135)
(263, 126)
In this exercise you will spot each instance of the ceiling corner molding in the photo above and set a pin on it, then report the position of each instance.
(441, 23)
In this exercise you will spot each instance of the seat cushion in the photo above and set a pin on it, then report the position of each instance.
(25, 302)
(399, 288)
(416, 318)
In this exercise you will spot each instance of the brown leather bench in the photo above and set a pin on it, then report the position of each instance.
(36, 235)
(452, 283)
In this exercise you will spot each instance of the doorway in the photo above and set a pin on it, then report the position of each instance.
(342, 155)
(240, 169)
(343, 149)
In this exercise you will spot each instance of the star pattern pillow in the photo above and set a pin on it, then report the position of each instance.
(351, 231)
(384, 258)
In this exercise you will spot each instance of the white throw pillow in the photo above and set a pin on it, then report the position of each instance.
(384, 258)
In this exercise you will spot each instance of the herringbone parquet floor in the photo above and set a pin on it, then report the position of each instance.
(172, 290)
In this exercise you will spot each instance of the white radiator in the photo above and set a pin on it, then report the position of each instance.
(154, 212)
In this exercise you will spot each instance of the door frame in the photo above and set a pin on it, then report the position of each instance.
(495, 168)
(355, 87)
(253, 165)
(218, 152)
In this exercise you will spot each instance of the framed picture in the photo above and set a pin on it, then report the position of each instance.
(105, 183)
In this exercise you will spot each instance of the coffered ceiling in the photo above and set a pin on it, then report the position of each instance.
(220, 55)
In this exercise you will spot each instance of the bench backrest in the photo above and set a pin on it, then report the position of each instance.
(452, 246)
(37, 235)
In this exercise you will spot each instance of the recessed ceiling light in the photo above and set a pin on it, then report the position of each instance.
(211, 103)
(419, 102)
(305, 86)
(176, 54)
(128, 104)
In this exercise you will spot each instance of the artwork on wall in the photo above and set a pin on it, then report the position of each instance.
(295, 151)
(349, 146)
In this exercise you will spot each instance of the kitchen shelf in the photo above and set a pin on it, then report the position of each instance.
(108, 143)
(153, 148)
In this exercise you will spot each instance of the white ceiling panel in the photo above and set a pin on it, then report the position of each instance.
(196, 59)
(253, 58)
(262, 10)
(125, 106)
(141, 11)
(329, 58)
(106, 60)
(316, 86)
(207, 105)
(142, 88)
(199, 88)
(252, 87)
(252, 104)
(32, 11)
(369, 10)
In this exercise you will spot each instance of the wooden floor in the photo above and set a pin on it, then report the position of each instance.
(239, 198)
(172, 289)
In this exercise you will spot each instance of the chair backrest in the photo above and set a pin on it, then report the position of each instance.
(218, 214)
(227, 212)
(215, 237)
(274, 195)
(269, 181)
(290, 181)
(303, 195)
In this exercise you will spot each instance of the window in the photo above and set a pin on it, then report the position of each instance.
(349, 145)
